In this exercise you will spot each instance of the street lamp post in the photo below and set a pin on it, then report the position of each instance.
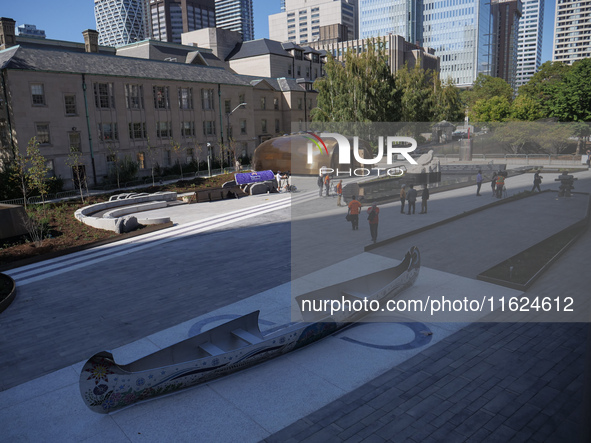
(228, 125)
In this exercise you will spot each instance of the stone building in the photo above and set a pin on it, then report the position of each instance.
(84, 97)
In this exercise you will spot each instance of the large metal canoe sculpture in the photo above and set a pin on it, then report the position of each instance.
(238, 344)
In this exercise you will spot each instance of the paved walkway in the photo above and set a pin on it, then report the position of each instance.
(56, 322)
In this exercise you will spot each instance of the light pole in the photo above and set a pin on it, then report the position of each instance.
(209, 159)
(228, 127)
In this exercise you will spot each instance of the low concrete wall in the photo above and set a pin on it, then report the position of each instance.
(114, 213)
(98, 207)
(115, 220)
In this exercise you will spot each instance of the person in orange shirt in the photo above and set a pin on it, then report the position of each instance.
(354, 209)
(374, 218)
(327, 184)
(339, 189)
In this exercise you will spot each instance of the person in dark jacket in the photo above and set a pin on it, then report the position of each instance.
(411, 198)
(537, 181)
(424, 198)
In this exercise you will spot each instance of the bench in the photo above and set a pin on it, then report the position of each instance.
(211, 349)
(246, 336)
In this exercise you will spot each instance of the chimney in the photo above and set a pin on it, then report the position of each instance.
(7, 34)
(90, 40)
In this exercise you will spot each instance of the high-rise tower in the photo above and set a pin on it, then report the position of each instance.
(120, 22)
(235, 15)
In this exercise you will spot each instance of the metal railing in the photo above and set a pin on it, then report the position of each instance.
(522, 159)
(140, 182)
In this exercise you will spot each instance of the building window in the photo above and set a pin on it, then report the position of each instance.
(50, 168)
(241, 98)
(70, 104)
(134, 96)
(276, 103)
(300, 104)
(167, 157)
(299, 71)
(186, 98)
(309, 103)
(103, 95)
(208, 127)
(141, 160)
(74, 138)
(163, 129)
(289, 69)
(277, 126)
(108, 131)
(228, 106)
(137, 130)
(38, 94)
(161, 97)
(207, 99)
(42, 133)
(190, 155)
(187, 129)
(242, 127)
(264, 126)
(263, 103)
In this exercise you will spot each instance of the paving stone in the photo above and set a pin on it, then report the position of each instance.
(500, 401)
(502, 434)
(473, 423)
(522, 416)
(354, 416)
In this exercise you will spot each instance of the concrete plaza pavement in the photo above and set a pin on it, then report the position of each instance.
(54, 325)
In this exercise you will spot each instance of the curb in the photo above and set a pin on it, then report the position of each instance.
(454, 218)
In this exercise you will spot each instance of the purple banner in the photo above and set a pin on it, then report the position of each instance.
(243, 178)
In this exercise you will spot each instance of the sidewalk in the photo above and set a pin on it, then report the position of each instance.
(463, 381)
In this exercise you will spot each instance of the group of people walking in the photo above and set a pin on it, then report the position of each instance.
(410, 197)
(407, 198)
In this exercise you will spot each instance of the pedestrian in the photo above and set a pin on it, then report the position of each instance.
(278, 178)
(374, 218)
(493, 183)
(478, 182)
(588, 158)
(537, 180)
(411, 198)
(500, 184)
(424, 198)
(320, 183)
(402, 198)
(339, 192)
(354, 209)
(327, 184)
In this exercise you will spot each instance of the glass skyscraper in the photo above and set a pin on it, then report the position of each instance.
(460, 32)
(384, 17)
(120, 22)
(529, 49)
(235, 15)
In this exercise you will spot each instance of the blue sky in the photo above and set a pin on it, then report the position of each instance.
(66, 19)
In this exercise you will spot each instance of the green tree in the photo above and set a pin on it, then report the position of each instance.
(75, 162)
(178, 151)
(486, 87)
(543, 86)
(37, 173)
(448, 102)
(361, 89)
(518, 137)
(18, 175)
(417, 87)
(525, 107)
(495, 109)
(572, 98)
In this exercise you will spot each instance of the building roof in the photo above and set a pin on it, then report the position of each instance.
(288, 46)
(52, 60)
(254, 48)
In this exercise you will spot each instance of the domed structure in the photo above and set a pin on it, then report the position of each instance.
(290, 153)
